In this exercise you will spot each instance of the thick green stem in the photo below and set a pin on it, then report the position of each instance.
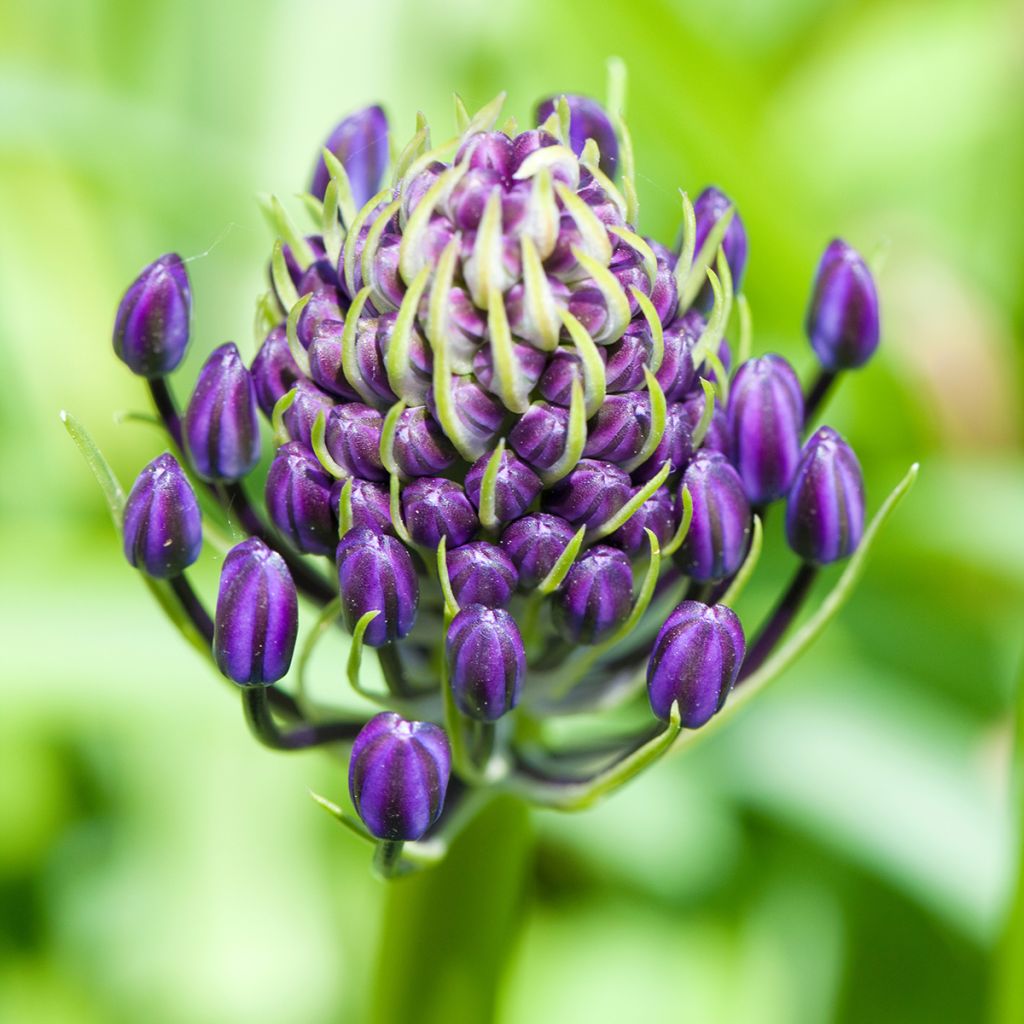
(448, 931)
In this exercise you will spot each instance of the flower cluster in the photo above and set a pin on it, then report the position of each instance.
(530, 443)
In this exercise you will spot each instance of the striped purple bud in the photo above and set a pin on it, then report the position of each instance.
(370, 376)
(677, 374)
(842, 321)
(487, 151)
(370, 505)
(163, 529)
(486, 662)
(151, 330)
(420, 446)
(376, 573)
(825, 508)
(695, 660)
(321, 306)
(360, 142)
(308, 403)
(528, 365)
(766, 416)
(709, 209)
(597, 595)
(481, 573)
(556, 381)
(480, 414)
(675, 446)
(620, 427)
(325, 363)
(716, 543)
(659, 514)
(274, 370)
(398, 775)
(298, 497)
(352, 438)
(534, 543)
(587, 120)
(515, 486)
(590, 495)
(627, 358)
(433, 507)
(222, 430)
(539, 436)
(257, 615)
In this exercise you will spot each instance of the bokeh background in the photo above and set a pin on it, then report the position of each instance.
(847, 848)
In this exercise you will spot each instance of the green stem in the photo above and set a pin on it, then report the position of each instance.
(448, 930)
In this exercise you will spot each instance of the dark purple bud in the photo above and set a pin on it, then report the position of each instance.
(318, 277)
(480, 414)
(766, 415)
(529, 142)
(534, 543)
(486, 662)
(825, 508)
(371, 374)
(257, 615)
(222, 430)
(659, 514)
(620, 427)
(597, 594)
(842, 321)
(325, 365)
(720, 530)
(587, 120)
(675, 446)
(665, 294)
(487, 151)
(415, 188)
(709, 208)
(360, 142)
(298, 497)
(540, 435)
(515, 487)
(376, 573)
(695, 661)
(321, 306)
(163, 530)
(718, 438)
(371, 505)
(563, 368)
(529, 364)
(481, 573)
(274, 370)
(398, 775)
(469, 197)
(386, 277)
(151, 329)
(626, 359)
(433, 507)
(590, 495)
(352, 438)
(420, 445)
(308, 403)
(677, 375)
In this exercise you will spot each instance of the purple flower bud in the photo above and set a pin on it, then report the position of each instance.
(353, 439)
(766, 415)
(529, 365)
(717, 541)
(420, 445)
(677, 374)
(590, 495)
(675, 446)
(308, 403)
(274, 370)
(163, 530)
(257, 615)
(695, 661)
(376, 573)
(480, 414)
(325, 365)
(556, 381)
(587, 120)
(360, 142)
(597, 594)
(709, 208)
(386, 277)
(481, 573)
(371, 505)
(658, 513)
(619, 429)
(433, 507)
(469, 197)
(529, 142)
(487, 151)
(321, 306)
(825, 508)
(398, 775)
(626, 359)
(515, 487)
(842, 321)
(486, 662)
(151, 329)
(718, 438)
(540, 435)
(319, 277)
(222, 431)
(298, 497)
(534, 543)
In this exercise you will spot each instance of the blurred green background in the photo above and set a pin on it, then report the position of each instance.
(845, 850)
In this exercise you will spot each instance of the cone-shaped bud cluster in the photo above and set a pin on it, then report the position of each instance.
(842, 321)
(695, 661)
(486, 662)
(825, 508)
(163, 530)
(257, 615)
(398, 776)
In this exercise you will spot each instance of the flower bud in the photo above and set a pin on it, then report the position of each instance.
(597, 595)
(534, 543)
(486, 662)
(677, 374)
(825, 508)
(515, 486)
(709, 208)
(398, 775)
(163, 530)
(325, 365)
(222, 431)
(274, 370)
(352, 437)
(360, 142)
(658, 513)
(298, 497)
(718, 438)
(420, 446)
(433, 507)
(587, 120)
(717, 540)
(842, 321)
(695, 660)
(590, 495)
(556, 381)
(376, 573)
(480, 415)
(620, 427)
(675, 446)
(321, 306)
(151, 329)
(539, 436)
(257, 615)
(481, 573)
(627, 358)
(487, 151)
(766, 415)
(370, 505)
(308, 403)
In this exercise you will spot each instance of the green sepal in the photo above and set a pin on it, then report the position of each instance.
(387, 438)
(593, 235)
(714, 329)
(370, 246)
(314, 208)
(654, 326)
(624, 514)
(318, 442)
(299, 354)
(594, 380)
(543, 218)
(355, 659)
(345, 197)
(345, 508)
(396, 512)
(332, 231)
(700, 266)
(510, 384)
(281, 406)
(548, 158)
(283, 285)
(746, 330)
(486, 117)
(746, 570)
(539, 306)
(488, 486)
(561, 568)
(564, 118)
(483, 268)
(617, 78)
(354, 825)
(684, 524)
(575, 438)
(712, 358)
(634, 241)
(265, 318)
(659, 417)
(349, 360)
(628, 169)
(707, 413)
(413, 149)
(607, 284)
(349, 258)
(590, 158)
(410, 251)
(451, 605)
(688, 239)
(397, 359)
(283, 226)
(462, 117)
